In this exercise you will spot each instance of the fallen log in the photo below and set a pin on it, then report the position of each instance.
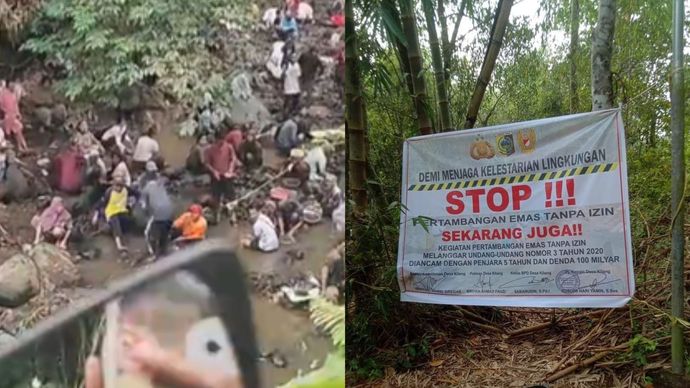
(585, 363)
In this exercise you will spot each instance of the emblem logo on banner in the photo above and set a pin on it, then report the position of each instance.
(527, 140)
(505, 144)
(545, 226)
(481, 149)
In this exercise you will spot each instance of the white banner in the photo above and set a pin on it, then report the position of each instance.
(524, 214)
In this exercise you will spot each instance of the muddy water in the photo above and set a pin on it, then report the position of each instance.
(289, 331)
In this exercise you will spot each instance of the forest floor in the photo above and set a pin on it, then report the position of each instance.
(523, 347)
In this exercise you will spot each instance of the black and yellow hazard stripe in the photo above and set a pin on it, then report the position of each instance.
(593, 169)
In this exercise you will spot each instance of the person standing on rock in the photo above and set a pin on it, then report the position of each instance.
(115, 203)
(291, 87)
(12, 122)
(117, 136)
(54, 223)
(288, 27)
(85, 141)
(159, 207)
(67, 171)
(220, 160)
(147, 149)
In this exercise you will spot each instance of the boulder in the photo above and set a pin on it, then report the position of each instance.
(59, 114)
(19, 276)
(18, 281)
(56, 264)
(318, 111)
(43, 117)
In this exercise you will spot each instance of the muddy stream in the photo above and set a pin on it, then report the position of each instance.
(289, 331)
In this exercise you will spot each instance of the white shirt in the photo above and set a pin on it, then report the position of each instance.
(265, 231)
(292, 74)
(116, 132)
(122, 170)
(273, 64)
(317, 160)
(145, 150)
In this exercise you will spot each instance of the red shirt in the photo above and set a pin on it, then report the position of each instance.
(338, 20)
(68, 171)
(8, 102)
(221, 157)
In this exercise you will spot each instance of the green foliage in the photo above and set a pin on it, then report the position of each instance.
(640, 347)
(331, 318)
(530, 81)
(107, 46)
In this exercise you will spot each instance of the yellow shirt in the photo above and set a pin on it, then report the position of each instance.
(117, 203)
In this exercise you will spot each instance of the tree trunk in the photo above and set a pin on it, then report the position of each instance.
(416, 66)
(355, 117)
(400, 45)
(678, 363)
(574, 32)
(445, 43)
(437, 63)
(651, 138)
(449, 47)
(497, 32)
(602, 49)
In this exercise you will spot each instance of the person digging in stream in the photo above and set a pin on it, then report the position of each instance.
(190, 228)
(298, 171)
(264, 237)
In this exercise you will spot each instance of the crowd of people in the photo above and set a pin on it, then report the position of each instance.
(120, 170)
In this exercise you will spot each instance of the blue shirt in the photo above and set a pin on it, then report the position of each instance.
(288, 25)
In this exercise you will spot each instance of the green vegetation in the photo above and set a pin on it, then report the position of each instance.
(105, 47)
(531, 79)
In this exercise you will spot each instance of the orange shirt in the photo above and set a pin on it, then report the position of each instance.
(191, 230)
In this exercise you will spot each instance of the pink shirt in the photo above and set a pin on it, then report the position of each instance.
(8, 102)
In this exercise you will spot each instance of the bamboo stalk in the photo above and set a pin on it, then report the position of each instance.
(584, 363)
